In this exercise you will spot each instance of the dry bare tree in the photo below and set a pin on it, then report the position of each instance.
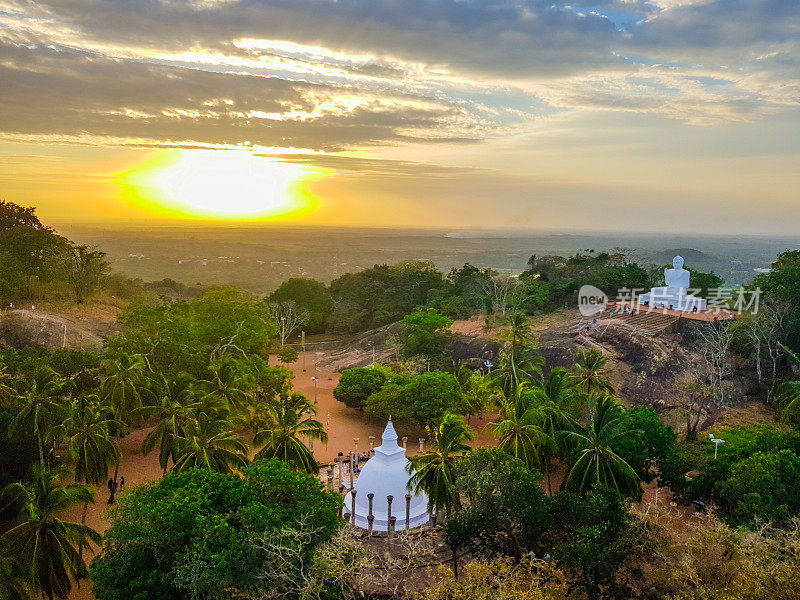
(499, 290)
(715, 341)
(289, 317)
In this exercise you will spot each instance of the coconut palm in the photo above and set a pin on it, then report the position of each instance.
(43, 406)
(433, 470)
(90, 443)
(227, 383)
(45, 545)
(8, 395)
(556, 408)
(125, 387)
(12, 581)
(283, 422)
(590, 375)
(788, 394)
(210, 443)
(177, 407)
(519, 433)
(528, 427)
(595, 462)
(520, 360)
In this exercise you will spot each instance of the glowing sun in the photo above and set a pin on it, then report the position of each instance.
(220, 184)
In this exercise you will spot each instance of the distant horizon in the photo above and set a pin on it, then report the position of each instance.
(474, 232)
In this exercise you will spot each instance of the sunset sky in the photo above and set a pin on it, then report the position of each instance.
(659, 115)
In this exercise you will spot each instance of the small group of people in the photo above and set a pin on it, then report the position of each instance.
(114, 485)
(361, 457)
(589, 326)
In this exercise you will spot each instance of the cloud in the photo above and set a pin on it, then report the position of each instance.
(66, 92)
(346, 74)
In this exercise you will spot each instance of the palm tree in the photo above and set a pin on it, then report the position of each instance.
(596, 463)
(590, 375)
(788, 394)
(177, 408)
(8, 395)
(284, 421)
(227, 383)
(90, 443)
(43, 406)
(557, 407)
(520, 360)
(527, 429)
(210, 443)
(433, 470)
(126, 385)
(13, 586)
(45, 545)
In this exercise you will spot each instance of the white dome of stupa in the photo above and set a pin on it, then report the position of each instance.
(386, 474)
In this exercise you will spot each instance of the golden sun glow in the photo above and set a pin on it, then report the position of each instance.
(219, 184)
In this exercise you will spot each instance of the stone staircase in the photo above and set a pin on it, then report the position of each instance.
(646, 323)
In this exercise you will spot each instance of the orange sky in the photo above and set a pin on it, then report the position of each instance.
(615, 116)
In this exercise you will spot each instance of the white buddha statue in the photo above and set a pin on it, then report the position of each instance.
(675, 295)
(677, 278)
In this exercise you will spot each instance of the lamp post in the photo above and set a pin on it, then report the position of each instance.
(283, 330)
(716, 442)
(389, 514)
(314, 379)
(355, 442)
(488, 364)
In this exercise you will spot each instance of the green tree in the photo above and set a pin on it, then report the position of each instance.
(426, 331)
(177, 407)
(176, 337)
(521, 433)
(782, 286)
(764, 486)
(13, 215)
(203, 534)
(46, 546)
(8, 395)
(424, 398)
(310, 295)
(209, 443)
(43, 407)
(434, 469)
(84, 268)
(90, 444)
(703, 282)
(382, 294)
(506, 511)
(125, 385)
(356, 385)
(12, 578)
(590, 374)
(649, 444)
(596, 537)
(520, 360)
(594, 463)
(229, 384)
(28, 254)
(282, 423)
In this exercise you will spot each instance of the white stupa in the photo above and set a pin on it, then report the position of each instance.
(386, 474)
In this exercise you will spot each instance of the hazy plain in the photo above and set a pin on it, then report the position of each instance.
(259, 257)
